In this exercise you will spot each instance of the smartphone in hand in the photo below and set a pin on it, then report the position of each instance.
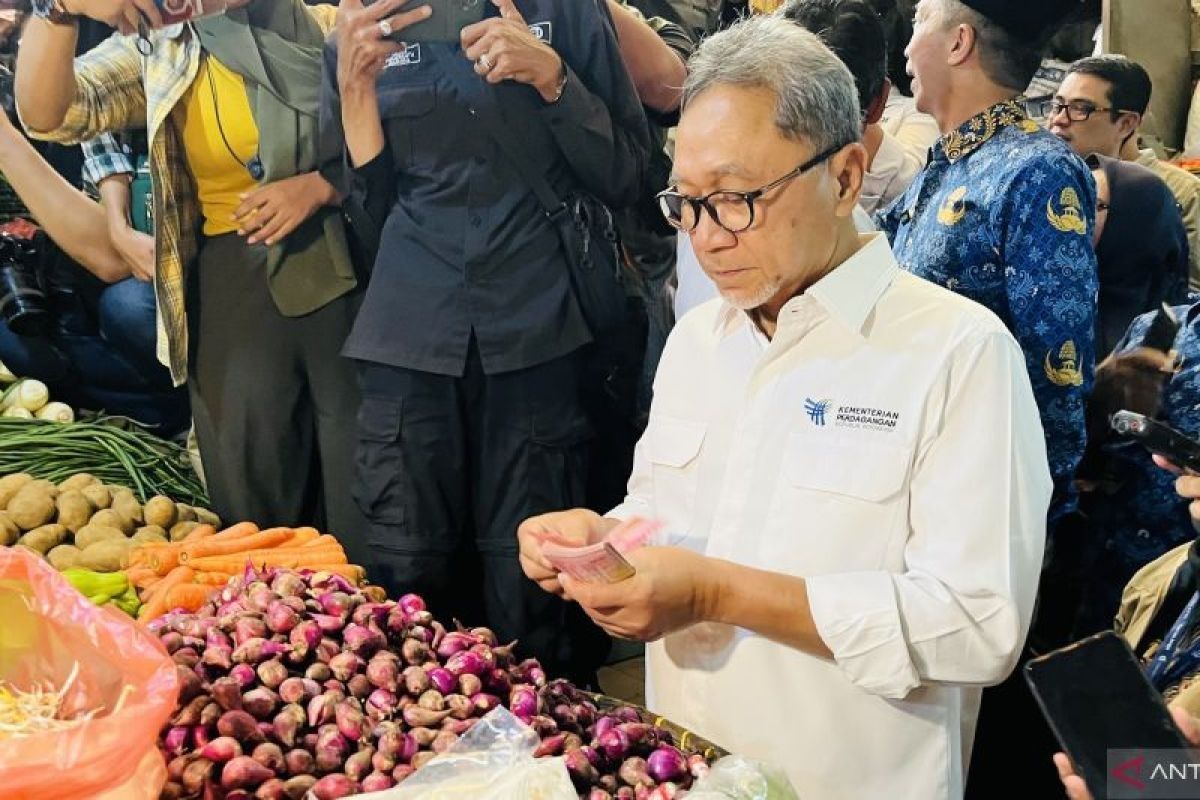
(446, 22)
(176, 11)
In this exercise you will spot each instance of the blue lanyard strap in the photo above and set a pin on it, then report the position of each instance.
(1168, 664)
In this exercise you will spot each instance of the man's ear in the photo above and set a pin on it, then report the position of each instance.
(850, 166)
(962, 46)
(1128, 124)
(875, 110)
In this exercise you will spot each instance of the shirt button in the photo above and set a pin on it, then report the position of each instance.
(475, 221)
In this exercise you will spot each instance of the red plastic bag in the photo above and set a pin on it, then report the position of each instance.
(48, 631)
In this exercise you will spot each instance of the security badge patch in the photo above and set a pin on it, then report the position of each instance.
(1063, 370)
(411, 54)
(1070, 219)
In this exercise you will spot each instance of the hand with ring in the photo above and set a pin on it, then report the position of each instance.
(364, 39)
(504, 49)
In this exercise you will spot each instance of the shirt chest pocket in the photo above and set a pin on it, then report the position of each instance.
(673, 448)
(850, 500)
(408, 115)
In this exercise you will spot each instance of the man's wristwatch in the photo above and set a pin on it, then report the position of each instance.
(53, 11)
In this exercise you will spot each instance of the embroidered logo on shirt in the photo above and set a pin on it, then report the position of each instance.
(954, 208)
(816, 410)
(1067, 372)
(541, 30)
(1071, 219)
(411, 54)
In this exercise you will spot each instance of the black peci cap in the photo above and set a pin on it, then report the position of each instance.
(1033, 19)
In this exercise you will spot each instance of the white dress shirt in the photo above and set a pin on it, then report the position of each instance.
(886, 447)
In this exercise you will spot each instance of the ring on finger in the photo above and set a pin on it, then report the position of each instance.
(485, 62)
(385, 28)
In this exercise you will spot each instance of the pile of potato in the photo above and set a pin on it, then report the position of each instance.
(82, 522)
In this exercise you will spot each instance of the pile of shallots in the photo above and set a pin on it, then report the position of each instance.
(300, 684)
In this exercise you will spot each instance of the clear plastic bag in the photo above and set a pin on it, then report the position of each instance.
(51, 634)
(492, 761)
(737, 778)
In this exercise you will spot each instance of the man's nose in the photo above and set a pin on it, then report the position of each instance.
(708, 235)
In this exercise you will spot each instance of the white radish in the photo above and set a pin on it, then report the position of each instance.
(18, 412)
(56, 412)
(29, 394)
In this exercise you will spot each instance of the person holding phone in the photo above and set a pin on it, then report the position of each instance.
(470, 337)
(253, 275)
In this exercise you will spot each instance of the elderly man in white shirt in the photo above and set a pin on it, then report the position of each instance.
(850, 457)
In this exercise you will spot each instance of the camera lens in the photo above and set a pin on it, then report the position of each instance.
(22, 300)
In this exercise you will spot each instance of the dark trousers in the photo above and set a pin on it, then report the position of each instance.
(100, 355)
(448, 467)
(273, 400)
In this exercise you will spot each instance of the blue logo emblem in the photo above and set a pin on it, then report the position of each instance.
(816, 410)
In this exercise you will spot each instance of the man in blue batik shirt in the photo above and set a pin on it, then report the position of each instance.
(1003, 213)
(1134, 514)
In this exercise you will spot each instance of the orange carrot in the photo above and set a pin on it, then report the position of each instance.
(320, 541)
(302, 536)
(136, 575)
(294, 559)
(237, 531)
(158, 556)
(211, 547)
(155, 603)
(200, 532)
(188, 596)
(212, 578)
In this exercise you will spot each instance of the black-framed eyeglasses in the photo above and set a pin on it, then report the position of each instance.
(733, 211)
(1077, 110)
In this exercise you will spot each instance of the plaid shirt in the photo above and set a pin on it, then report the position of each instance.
(104, 157)
(117, 89)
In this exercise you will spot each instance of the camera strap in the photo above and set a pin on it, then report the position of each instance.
(1179, 653)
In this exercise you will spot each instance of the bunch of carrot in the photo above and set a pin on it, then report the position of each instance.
(184, 574)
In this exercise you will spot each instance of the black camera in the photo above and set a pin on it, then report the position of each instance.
(23, 305)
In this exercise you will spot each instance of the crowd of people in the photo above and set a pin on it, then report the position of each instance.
(870, 321)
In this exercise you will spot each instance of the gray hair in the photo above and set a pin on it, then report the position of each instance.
(816, 99)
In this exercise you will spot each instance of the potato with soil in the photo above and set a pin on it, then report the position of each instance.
(180, 530)
(32, 508)
(98, 495)
(9, 531)
(185, 513)
(64, 557)
(11, 484)
(206, 517)
(110, 518)
(45, 538)
(160, 511)
(74, 510)
(92, 533)
(107, 556)
(149, 533)
(125, 504)
(79, 482)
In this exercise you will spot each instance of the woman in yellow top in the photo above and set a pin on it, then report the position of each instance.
(254, 282)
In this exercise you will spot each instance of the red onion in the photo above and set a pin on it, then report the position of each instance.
(455, 643)
(550, 746)
(443, 741)
(242, 772)
(270, 756)
(460, 706)
(240, 726)
(614, 744)
(186, 656)
(321, 709)
(272, 673)
(420, 633)
(274, 789)
(345, 665)
(299, 762)
(318, 672)
(442, 680)
(582, 773)
(411, 603)
(248, 627)
(304, 637)
(326, 649)
(382, 762)
(418, 717)
(260, 702)
(335, 604)
(598, 794)
(256, 649)
(214, 637)
(297, 690)
(361, 640)
(201, 736)
(377, 782)
(401, 772)
(467, 661)
(414, 651)
(459, 726)
(244, 674)
(371, 612)
(260, 598)
(350, 719)
(287, 724)
(298, 786)
(216, 656)
(484, 702)
(432, 700)
(331, 787)
(666, 764)
(469, 684)
(327, 623)
(176, 740)
(523, 702)
(282, 618)
(210, 714)
(383, 701)
(228, 693)
(358, 765)
(359, 687)
(498, 682)
(697, 765)
(288, 584)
